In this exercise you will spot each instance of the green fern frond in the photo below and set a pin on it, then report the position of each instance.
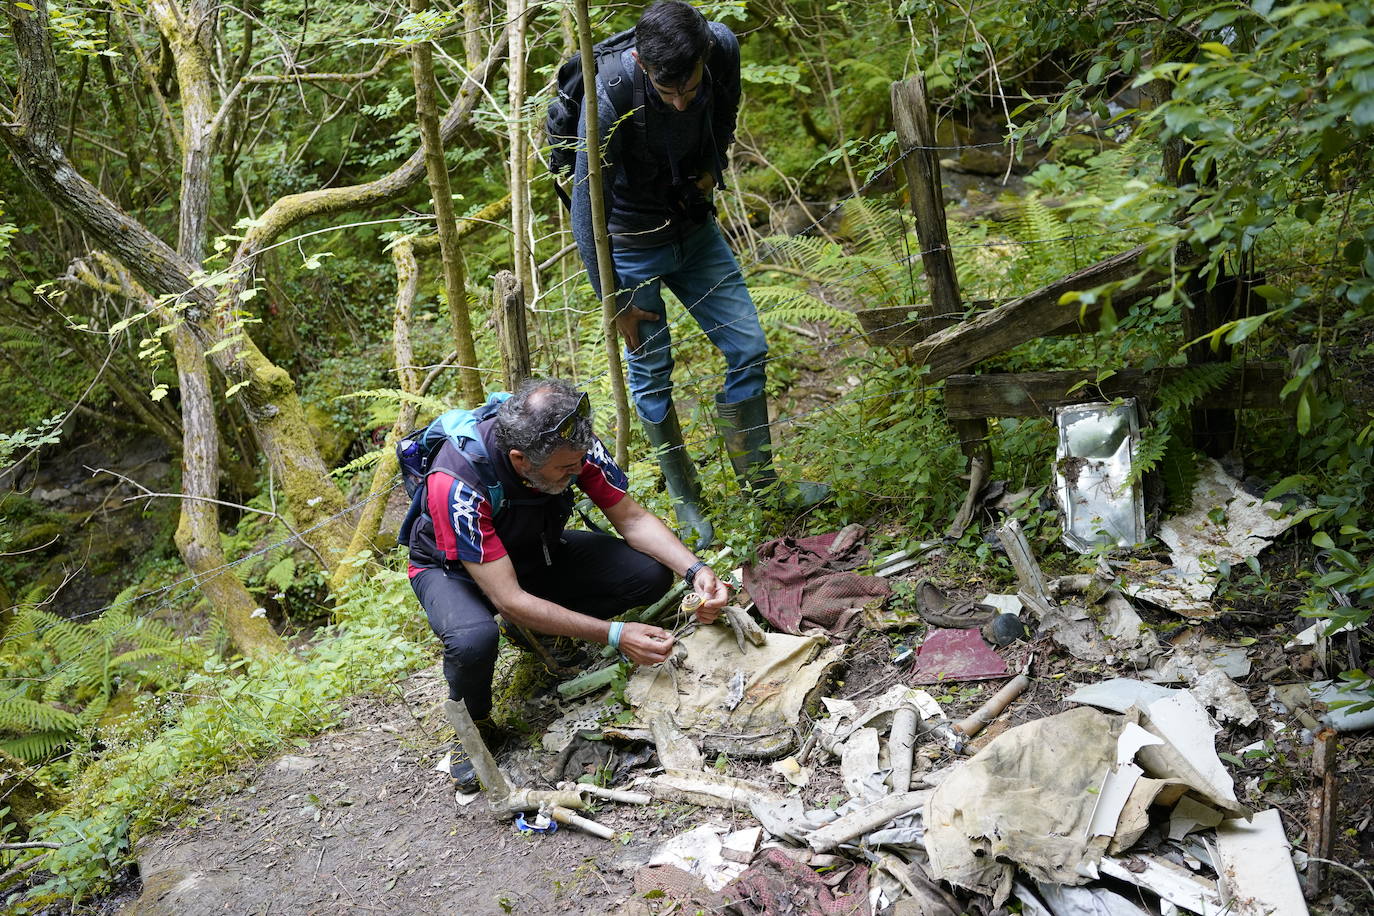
(425, 402)
(132, 658)
(1192, 385)
(362, 462)
(36, 747)
(92, 711)
(1179, 469)
(1154, 441)
(20, 714)
(783, 304)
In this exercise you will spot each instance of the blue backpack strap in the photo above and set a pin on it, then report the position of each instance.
(460, 426)
(463, 431)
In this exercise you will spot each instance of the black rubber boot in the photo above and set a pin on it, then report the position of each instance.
(744, 426)
(681, 477)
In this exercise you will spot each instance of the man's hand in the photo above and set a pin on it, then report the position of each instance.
(714, 594)
(627, 322)
(644, 644)
(706, 182)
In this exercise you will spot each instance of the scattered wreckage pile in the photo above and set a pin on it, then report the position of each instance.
(1120, 804)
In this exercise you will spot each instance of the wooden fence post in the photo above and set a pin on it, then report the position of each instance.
(921, 163)
(510, 326)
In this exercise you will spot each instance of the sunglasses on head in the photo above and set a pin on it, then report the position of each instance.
(563, 429)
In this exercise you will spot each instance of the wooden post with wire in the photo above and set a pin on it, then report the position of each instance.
(921, 163)
(511, 328)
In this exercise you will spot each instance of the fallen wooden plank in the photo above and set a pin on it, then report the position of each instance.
(892, 326)
(1001, 328)
(1035, 394)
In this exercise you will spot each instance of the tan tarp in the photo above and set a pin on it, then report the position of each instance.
(771, 684)
(1028, 797)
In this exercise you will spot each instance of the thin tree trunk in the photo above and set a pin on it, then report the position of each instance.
(369, 523)
(516, 24)
(197, 534)
(603, 241)
(455, 278)
(188, 33)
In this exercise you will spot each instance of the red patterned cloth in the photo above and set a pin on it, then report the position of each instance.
(798, 584)
(777, 884)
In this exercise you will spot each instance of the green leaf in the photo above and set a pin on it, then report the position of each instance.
(1213, 47)
(1304, 414)
(1322, 539)
(26, 6)
(1349, 46)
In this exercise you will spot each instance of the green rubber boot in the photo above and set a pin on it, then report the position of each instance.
(744, 426)
(681, 477)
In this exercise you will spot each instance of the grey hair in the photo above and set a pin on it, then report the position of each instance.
(524, 420)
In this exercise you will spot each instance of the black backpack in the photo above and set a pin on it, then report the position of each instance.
(560, 125)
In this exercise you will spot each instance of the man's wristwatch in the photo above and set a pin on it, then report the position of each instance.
(690, 576)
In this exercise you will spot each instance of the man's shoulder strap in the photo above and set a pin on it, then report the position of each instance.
(462, 431)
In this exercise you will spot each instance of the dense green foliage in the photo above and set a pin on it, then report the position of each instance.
(1228, 140)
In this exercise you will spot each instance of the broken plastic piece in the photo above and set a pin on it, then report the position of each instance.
(540, 823)
(1256, 867)
(1225, 525)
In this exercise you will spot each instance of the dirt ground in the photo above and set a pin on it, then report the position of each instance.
(360, 821)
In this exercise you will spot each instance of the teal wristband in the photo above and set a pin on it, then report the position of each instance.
(613, 637)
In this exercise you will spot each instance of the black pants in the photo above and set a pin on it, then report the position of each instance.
(594, 574)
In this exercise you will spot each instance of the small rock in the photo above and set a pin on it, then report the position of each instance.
(293, 764)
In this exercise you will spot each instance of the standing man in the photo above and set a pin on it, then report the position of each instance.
(468, 562)
(662, 162)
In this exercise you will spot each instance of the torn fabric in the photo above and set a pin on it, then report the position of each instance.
(798, 584)
(776, 678)
(1028, 797)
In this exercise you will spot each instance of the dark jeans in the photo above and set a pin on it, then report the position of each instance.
(594, 574)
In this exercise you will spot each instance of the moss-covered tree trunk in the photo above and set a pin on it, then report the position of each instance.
(450, 252)
(407, 281)
(187, 33)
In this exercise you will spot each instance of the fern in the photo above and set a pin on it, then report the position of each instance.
(57, 666)
(870, 267)
(1192, 385)
(782, 304)
(362, 462)
(434, 405)
(18, 713)
(1172, 404)
(35, 747)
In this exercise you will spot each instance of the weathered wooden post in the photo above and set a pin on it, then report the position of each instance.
(921, 163)
(511, 328)
(1321, 827)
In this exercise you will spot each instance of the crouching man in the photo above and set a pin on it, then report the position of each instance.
(468, 563)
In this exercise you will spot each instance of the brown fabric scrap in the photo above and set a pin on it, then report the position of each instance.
(779, 884)
(798, 583)
(668, 883)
